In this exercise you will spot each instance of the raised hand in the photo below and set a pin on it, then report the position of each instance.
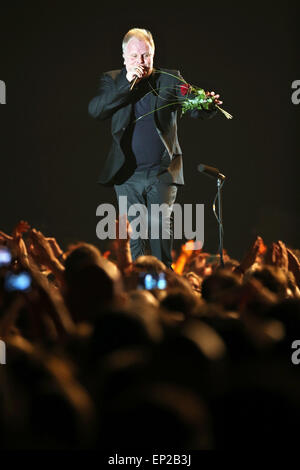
(294, 265)
(251, 255)
(16, 243)
(42, 252)
(4, 238)
(277, 255)
(57, 251)
(123, 226)
(191, 247)
(123, 242)
(20, 228)
(40, 247)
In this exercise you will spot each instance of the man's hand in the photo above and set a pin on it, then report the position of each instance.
(139, 71)
(215, 97)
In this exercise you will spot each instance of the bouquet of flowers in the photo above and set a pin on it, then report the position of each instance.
(192, 97)
(197, 98)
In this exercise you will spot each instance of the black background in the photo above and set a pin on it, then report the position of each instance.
(51, 150)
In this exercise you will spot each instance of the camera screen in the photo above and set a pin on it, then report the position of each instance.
(5, 256)
(150, 281)
(17, 282)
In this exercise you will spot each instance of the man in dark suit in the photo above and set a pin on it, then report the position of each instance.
(145, 160)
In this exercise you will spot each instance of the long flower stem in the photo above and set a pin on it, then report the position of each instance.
(171, 75)
(157, 109)
(229, 116)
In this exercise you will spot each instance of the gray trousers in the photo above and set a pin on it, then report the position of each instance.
(144, 188)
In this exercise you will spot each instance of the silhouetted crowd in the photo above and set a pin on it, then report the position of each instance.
(102, 352)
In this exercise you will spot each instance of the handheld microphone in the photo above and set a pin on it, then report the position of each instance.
(135, 77)
(133, 82)
(210, 171)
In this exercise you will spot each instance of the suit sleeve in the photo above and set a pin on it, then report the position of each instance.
(109, 98)
(195, 113)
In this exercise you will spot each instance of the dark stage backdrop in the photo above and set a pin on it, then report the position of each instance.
(52, 54)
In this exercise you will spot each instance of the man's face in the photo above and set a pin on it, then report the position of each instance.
(138, 52)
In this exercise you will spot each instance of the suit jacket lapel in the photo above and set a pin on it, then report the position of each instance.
(124, 114)
(154, 84)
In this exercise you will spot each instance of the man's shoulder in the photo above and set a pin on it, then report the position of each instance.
(167, 75)
(167, 71)
(114, 74)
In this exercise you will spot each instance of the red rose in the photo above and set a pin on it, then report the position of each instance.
(184, 89)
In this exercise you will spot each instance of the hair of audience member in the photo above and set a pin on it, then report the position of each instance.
(92, 282)
(179, 300)
(79, 255)
(240, 342)
(124, 329)
(149, 263)
(142, 298)
(175, 280)
(219, 281)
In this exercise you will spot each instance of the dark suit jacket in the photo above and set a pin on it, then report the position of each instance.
(115, 100)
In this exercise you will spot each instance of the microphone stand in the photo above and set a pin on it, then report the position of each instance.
(219, 218)
(215, 173)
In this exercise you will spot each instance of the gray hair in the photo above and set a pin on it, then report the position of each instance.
(141, 34)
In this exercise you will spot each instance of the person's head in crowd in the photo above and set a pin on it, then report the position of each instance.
(125, 329)
(177, 281)
(92, 282)
(220, 281)
(149, 263)
(142, 298)
(195, 282)
(44, 406)
(179, 300)
(199, 264)
(79, 255)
